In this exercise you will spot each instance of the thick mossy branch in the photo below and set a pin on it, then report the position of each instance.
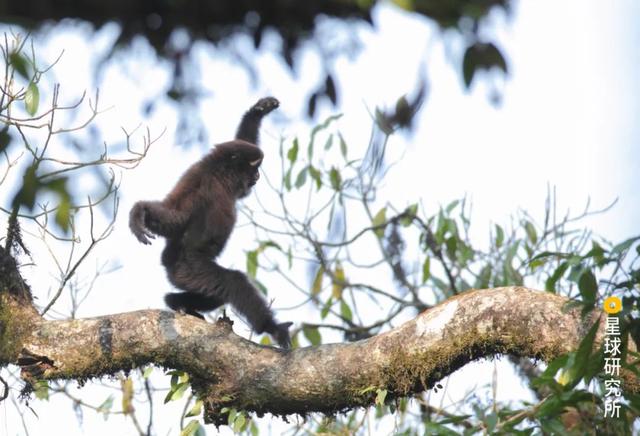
(18, 319)
(229, 371)
(17, 314)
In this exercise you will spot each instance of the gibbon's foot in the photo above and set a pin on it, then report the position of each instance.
(192, 313)
(281, 334)
(225, 318)
(265, 105)
(178, 302)
(137, 219)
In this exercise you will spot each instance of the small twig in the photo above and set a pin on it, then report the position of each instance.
(5, 389)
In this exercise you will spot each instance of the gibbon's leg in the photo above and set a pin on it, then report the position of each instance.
(192, 303)
(147, 217)
(196, 273)
(250, 123)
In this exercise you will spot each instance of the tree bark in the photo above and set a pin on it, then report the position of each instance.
(229, 371)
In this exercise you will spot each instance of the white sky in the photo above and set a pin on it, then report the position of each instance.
(568, 118)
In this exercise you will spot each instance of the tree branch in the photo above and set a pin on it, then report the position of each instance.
(229, 371)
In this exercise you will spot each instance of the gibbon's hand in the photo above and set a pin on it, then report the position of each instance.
(137, 219)
(265, 105)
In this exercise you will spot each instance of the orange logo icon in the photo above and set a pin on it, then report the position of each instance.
(612, 305)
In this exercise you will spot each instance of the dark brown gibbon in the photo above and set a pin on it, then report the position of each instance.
(197, 218)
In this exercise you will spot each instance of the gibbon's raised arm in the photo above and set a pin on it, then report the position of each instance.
(250, 123)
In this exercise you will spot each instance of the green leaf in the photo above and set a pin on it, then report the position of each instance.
(335, 178)
(196, 410)
(26, 196)
(426, 269)
(345, 310)
(312, 334)
(175, 393)
(511, 252)
(578, 361)
(381, 396)
(451, 244)
(555, 365)
(465, 253)
(268, 244)
(597, 253)
(338, 282)
(551, 407)
(42, 390)
(343, 146)
(326, 308)
(499, 236)
(409, 214)
(287, 180)
(383, 122)
(550, 283)
(452, 206)
(491, 420)
(192, 429)
(266, 340)
(370, 388)
(19, 63)
(63, 213)
(329, 143)
(147, 372)
(231, 417)
(316, 176)
(535, 264)
(5, 138)
(594, 365)
(262, 288)
(378, 220)
(588, 287)
(31, 99)
(252, 263)
(253, 428)
(623, 246)
(546, 254)
(239, 423)
(316, 287)
(531, 232)
(127, 395)
(106, 406)
(292, 154)
(302, 177)
(438, 429)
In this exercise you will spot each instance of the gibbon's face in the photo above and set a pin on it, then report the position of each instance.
(242, 161)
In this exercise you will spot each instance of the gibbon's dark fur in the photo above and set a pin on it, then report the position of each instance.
(197, 218)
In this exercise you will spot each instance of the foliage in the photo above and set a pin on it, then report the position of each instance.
(175, 32)
(422, 259)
